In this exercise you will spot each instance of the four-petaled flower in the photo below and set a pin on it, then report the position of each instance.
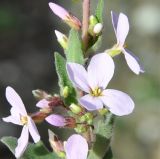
(76, 147)
(121, 28)
(94, 82)
(19, 116)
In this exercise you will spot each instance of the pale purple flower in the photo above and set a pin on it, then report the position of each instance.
(76, 147)
(94, 82)
(56, 120)
(19, 116)
(121, 28)
(65, 15)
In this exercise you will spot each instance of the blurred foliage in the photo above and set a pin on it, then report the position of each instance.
(27, 44)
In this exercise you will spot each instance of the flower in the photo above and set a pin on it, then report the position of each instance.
(19, 116)
(71, 20)
(94, 82)
(121, 28)
(76, 147)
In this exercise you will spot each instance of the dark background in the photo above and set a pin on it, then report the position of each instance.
(27, 44)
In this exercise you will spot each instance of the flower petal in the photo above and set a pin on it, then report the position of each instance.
(78, 76)
(33, 130)
(100, 70)
(122, 29)
(15, 100)
(12, 119)
(42, 103)
(58, 10)
(76, 147)
(119, 103)
(56, 120)
(22, 142)
(132, 62)
(114, 18)
(91, 103)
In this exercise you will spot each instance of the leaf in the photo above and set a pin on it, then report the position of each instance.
(99, 10)
(103, 136)
(74, 51)
(64, 81)
(109, 154)
(33, 151)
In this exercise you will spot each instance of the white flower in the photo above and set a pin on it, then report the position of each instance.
(19, 116)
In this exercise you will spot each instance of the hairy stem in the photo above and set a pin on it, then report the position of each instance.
(85, 22)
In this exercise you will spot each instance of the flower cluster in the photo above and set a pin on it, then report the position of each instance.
(83, 96)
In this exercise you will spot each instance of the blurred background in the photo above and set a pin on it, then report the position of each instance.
(27, 44)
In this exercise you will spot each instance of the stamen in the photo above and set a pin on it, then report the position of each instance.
(24, 120)
(96, 92)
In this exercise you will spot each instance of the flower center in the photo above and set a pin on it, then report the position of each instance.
(96, 92)
(24, 120)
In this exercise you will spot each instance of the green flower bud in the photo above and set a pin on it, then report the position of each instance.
(93, 20)
(103, 111)
(65, 91)
(62, 39)
(76, 109)
(80, 128)
(61, 154)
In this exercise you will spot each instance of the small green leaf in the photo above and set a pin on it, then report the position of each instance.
(64, 81)
(103, 136)
(99, 10)
(33, 151)
(74, 51)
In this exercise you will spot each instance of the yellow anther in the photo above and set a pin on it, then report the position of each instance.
(24, 120)
(96, 92)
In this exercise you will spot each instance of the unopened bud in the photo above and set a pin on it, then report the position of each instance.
(40, 94)
(56, 144)
(98, 28)
(76, 109)
(103, 111)
(71, 20)
(65, 92)
(62, 39)
(93, 20)
(81, 128)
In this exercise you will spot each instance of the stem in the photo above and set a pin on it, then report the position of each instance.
(85, 22)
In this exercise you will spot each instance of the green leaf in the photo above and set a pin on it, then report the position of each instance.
(103, 136)
(74, 51)
(109, 154)
(33, 151)
(99, 10)
(63, 79)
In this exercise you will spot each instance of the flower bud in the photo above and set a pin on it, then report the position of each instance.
(98, 28)
(40, 94)
(62, 39)
(93, 20)
(76, 109)
(81, 128)
(56, 144)
(103, 111)
(65, 92)
(87, 118)
(71, 20)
